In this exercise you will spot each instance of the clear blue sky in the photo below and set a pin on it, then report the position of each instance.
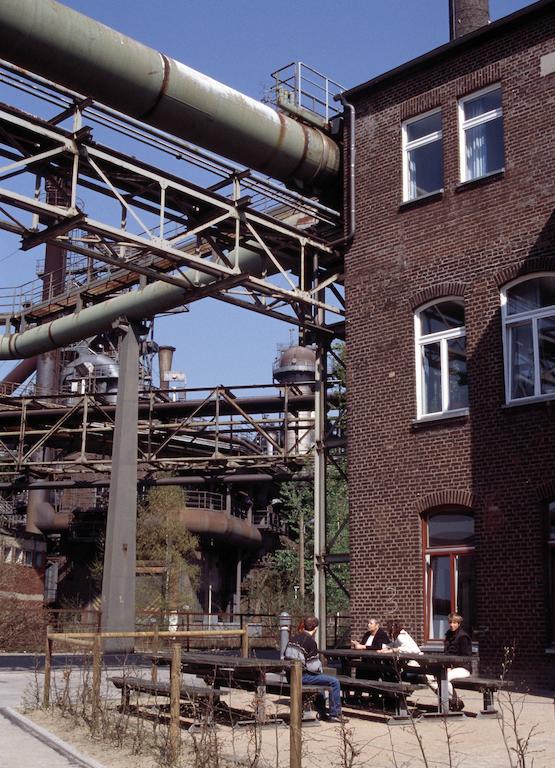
(240, 42)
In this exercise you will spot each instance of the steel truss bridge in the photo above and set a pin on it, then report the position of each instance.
(207, 431)
(150, 224)
(72, 178)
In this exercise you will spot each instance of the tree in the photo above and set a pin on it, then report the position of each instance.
(164, 542)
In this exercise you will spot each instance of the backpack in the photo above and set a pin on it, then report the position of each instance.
(295, 652)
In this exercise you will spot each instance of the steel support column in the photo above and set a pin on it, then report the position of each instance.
(118, 581)
(320, 492)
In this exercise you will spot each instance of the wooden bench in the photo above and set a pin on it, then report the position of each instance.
(205, 696)
(398, 692)
(487, 686)
(278, 685)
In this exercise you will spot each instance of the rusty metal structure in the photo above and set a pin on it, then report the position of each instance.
(139, 240)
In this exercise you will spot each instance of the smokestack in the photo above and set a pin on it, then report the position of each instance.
(467, 15)
(165, 359)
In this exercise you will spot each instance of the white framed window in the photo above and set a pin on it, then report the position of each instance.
(528, 316)
(481, 144)
(441, 374)
(422, 155)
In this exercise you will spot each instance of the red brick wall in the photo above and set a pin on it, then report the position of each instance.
(21, 579)
(469, 241)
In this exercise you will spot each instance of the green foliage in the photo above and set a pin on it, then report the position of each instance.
(164, 540)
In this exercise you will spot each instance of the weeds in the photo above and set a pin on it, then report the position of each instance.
(516, 737)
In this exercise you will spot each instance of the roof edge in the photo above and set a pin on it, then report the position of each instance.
(445, 49)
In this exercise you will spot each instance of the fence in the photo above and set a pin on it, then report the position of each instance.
(93, 641)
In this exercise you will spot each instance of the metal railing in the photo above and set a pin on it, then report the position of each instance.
(300, 86)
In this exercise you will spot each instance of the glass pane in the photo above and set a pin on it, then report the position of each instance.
(439, 590)
(522, 361)
(484, 149)
(551, 532)
(552, 590)
(465, 602)
(531, 294)
(486, 102)
(431, 378)
(458, 380)
(425, 169)
(417, 129)
(442, 316)
(546, 340)
(448, 529)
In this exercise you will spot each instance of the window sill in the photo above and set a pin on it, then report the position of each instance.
(423, 200)
(435, 418)
(481, 180)
(547, 399)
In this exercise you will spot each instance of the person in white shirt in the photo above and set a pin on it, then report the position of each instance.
(403, 643)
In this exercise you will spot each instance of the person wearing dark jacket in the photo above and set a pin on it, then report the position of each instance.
(373, 640)
(302, 647)
(458, 643)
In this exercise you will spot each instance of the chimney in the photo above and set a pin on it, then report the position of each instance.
(165, 358)
(467, 15)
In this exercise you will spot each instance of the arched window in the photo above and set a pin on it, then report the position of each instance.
(441, 377)
(448, 546)
(528, 313)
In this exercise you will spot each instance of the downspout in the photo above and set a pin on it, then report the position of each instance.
(350, 208)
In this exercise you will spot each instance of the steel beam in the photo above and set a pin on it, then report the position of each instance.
(118, 580)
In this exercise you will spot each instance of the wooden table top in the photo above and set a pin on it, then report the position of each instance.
(425, 659)
(213, 660)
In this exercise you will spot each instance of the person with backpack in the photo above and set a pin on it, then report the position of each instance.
(303, 647)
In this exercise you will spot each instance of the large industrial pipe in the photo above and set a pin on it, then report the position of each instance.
(135, 305)
(17, 376)
(69, 48)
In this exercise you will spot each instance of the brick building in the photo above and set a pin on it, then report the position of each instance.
(22, 567)
(450, 287)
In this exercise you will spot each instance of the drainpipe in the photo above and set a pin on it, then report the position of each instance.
(350, 209)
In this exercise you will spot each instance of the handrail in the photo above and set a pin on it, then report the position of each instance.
(78, 637)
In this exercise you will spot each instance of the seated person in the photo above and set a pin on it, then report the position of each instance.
(373, 640)
(458, 643)
(302, 647)
(402, 642)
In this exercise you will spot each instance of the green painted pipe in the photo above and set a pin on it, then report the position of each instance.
(135, 305)
(69, 48)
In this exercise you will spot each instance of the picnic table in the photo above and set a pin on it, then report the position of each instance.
(233, 672)
(392, 665)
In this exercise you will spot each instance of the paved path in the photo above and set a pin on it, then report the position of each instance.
(27, 745)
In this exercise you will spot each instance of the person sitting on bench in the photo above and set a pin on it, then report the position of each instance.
(373, 640)
(402, 642)
(457, 642)
(302, 647)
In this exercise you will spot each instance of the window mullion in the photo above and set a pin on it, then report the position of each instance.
(444, 352)
(429, 138)
(472, 122)
(536, 353)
